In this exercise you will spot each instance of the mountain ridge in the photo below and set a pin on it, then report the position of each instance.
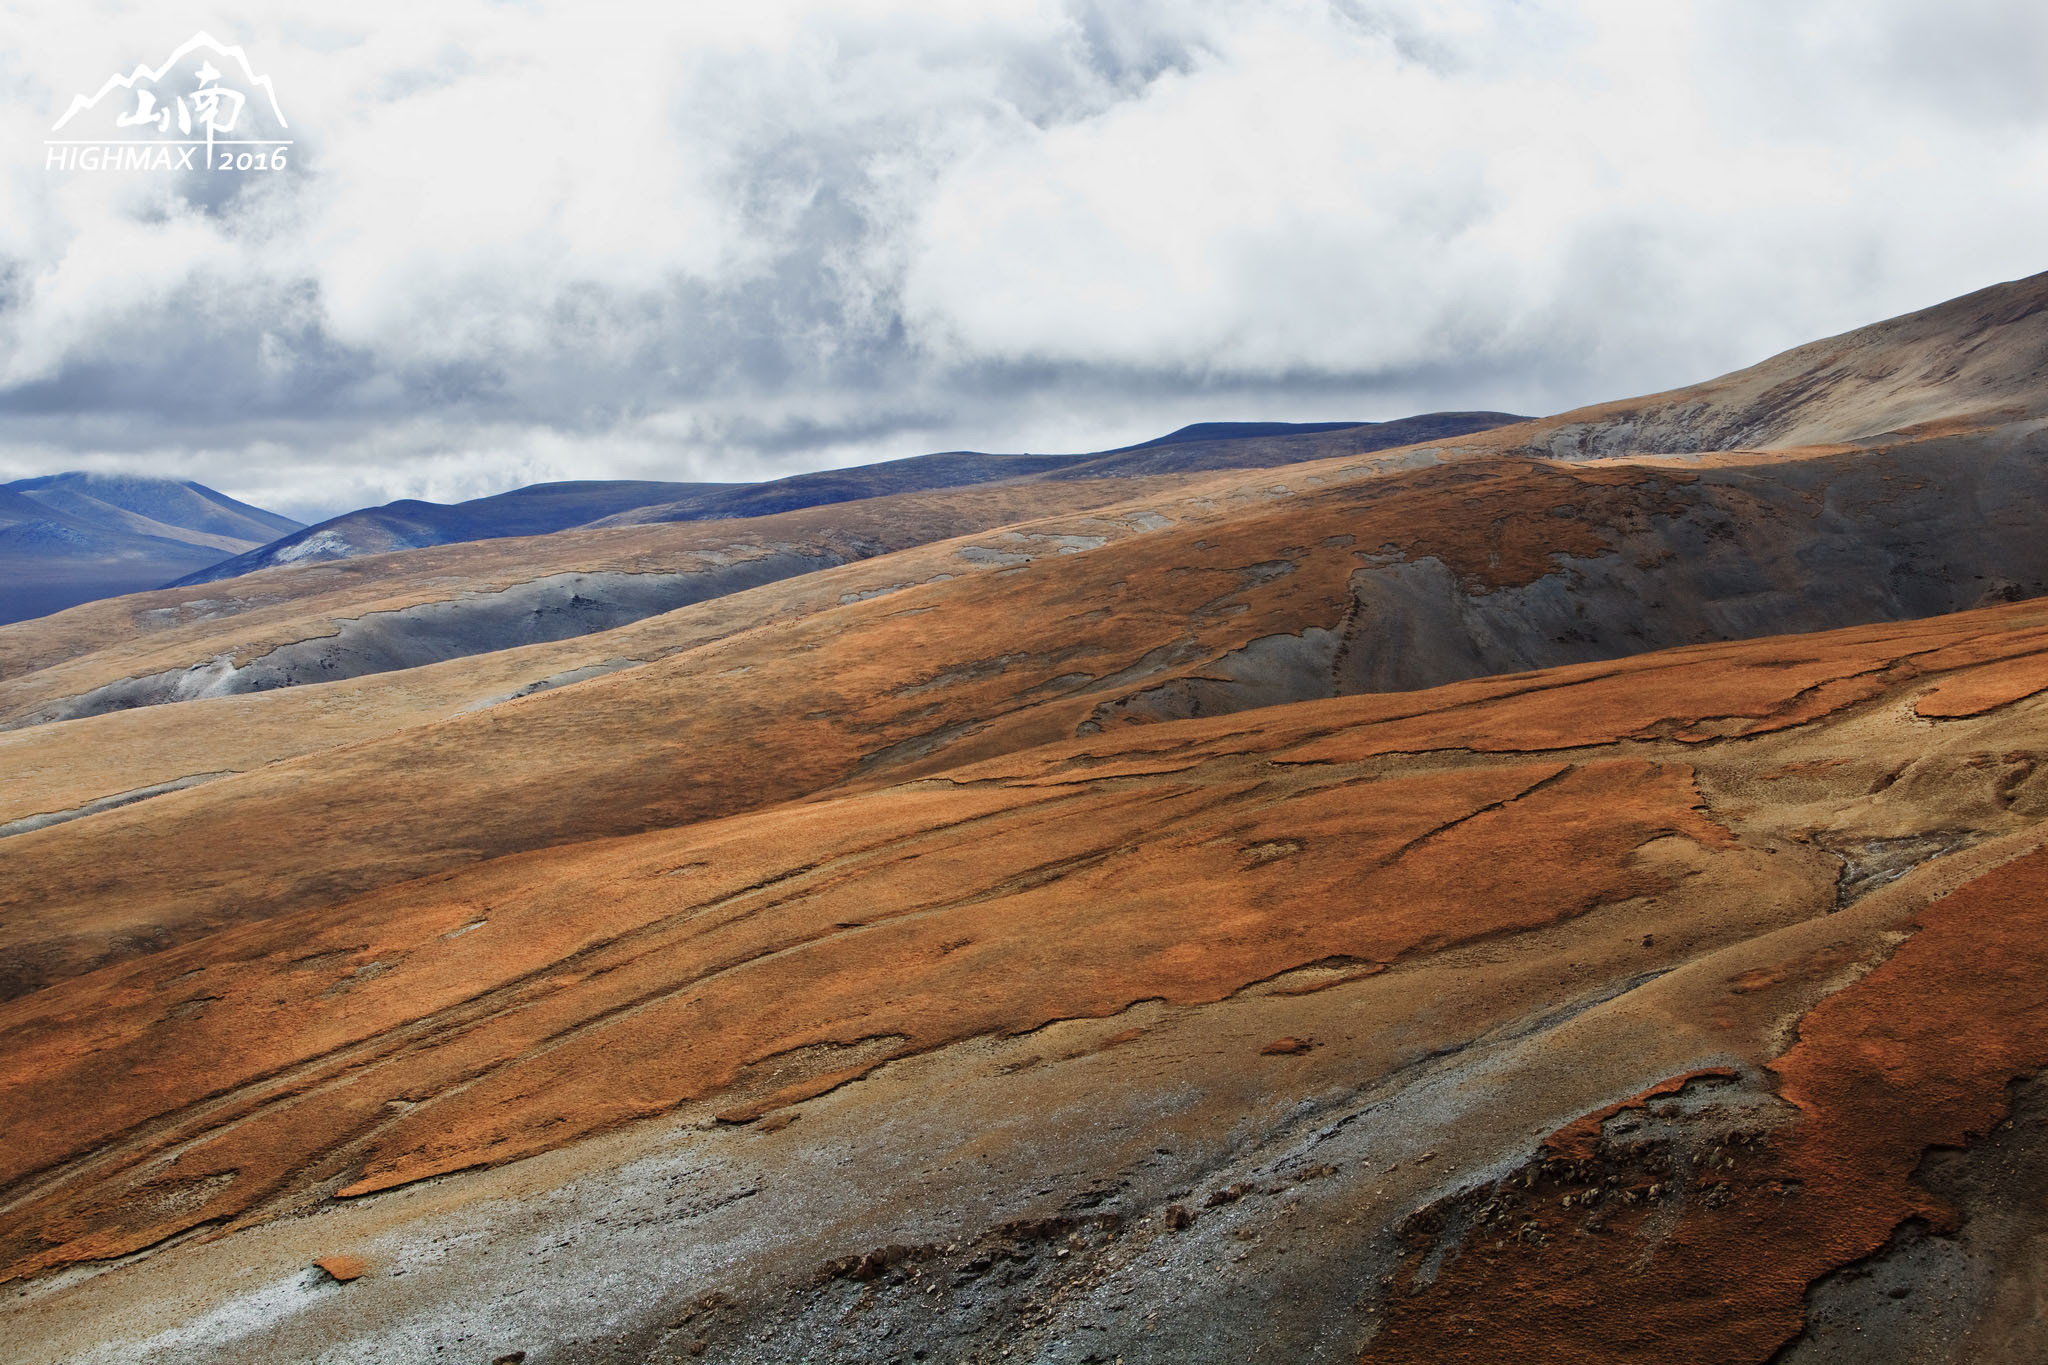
(78, 536)
(412, 524)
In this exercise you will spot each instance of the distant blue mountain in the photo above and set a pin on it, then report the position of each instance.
(1203, 446)
(411, 524)
(546, 508)
(72, 538)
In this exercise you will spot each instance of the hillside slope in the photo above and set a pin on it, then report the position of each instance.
(1968, 368)
(1976, 360)
(377, 613)
(179, 505)
(1192, 449)
(544, 508)
(1204, 601)
(1410, 940)
(411, 524)
(1519, 896)
(71, 538)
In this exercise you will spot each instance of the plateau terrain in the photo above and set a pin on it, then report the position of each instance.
(1477, 889)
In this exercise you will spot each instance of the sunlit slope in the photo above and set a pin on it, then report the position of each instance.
(1453, 903)
(1696, 847)
(318, 622)
(1377, 583)
(1969, 368)
(1973, 361)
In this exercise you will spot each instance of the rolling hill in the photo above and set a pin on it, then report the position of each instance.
(411, 524)
(543, 508)
(71, 538)
(1559, 892)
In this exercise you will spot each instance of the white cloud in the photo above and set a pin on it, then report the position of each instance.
(552, 240)
(1311, 196)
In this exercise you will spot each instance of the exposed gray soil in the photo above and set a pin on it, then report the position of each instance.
(1971, 1296)
(557, 607)
(119, 799)
(1777, 549)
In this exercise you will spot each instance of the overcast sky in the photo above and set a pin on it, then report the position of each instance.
(539, 240)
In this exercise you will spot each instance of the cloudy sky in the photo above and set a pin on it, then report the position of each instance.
(522, 241)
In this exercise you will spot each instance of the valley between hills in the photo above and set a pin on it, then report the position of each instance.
(1567, 889)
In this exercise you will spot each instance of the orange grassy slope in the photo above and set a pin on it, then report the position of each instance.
(1715, 794)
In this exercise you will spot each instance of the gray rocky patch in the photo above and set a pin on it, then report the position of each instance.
(1868, 864)
(104, 803)
(555, 680)
(557, 607)
(1970, 1296)
(1785, 550)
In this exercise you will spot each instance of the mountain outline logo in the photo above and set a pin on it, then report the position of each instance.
(207, 114)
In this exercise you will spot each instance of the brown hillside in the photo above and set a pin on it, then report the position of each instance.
(1586, 832)
(1568, 894)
